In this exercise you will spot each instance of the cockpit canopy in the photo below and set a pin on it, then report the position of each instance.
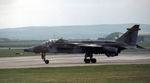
(51, 41)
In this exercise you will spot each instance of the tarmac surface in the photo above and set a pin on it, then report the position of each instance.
(67, 60)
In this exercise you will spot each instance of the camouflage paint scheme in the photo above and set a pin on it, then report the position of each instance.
(89, 47)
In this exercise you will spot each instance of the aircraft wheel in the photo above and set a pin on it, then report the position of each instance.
(87, 60)
(93, 60)
(46, 61)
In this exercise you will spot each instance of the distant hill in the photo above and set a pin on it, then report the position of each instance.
(4, 39)
(67, 32)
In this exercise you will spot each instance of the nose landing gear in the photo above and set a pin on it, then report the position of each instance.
(46, 61)
(43, 56)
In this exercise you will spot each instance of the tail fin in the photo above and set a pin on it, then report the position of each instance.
(130, 36)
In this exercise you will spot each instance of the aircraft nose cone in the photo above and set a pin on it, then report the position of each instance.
(26, 50)
(29, 50)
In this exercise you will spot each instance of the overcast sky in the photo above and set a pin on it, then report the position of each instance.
(19, 13)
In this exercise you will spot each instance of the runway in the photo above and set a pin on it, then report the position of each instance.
(66, 60)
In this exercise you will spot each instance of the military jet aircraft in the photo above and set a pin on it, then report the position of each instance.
(109, 48)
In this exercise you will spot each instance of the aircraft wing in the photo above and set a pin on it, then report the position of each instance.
(138, 46)
(90, 48)
(88, 45)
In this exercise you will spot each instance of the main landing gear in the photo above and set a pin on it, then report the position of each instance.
(91, 59)
(43, 55)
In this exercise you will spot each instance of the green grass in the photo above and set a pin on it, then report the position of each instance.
(87, 74)
(12, 53)
(136, 50)
(28, 43)
(144, 44)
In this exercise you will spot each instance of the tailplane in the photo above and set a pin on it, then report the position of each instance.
(130, 36)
